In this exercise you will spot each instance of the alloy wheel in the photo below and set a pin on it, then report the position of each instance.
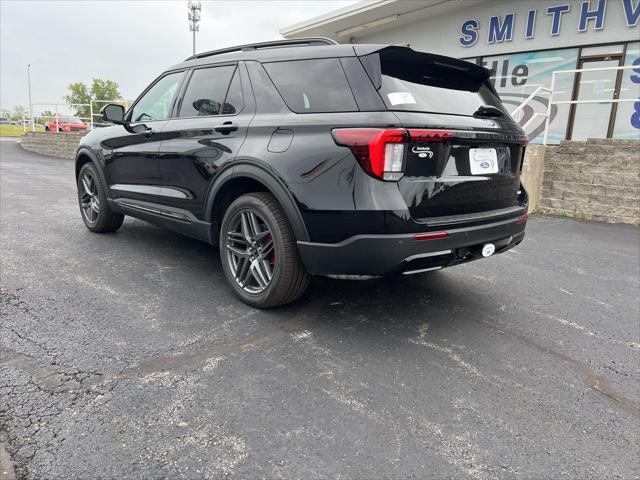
(89, 201)
(250, 251)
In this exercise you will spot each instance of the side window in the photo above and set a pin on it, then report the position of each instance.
(156, 103)
(206, 91)
(313, 86)
(234, 101)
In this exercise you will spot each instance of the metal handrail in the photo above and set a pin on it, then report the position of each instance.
(520, 107)
(577, 102)
(551, 91)
(90, 105)
(612, 100)
(534, 116)
(55, 105)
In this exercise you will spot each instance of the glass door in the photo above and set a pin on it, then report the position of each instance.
(594, 120)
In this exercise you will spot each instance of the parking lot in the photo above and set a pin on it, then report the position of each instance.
(126, 356)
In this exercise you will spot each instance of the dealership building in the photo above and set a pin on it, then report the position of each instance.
(523, 42)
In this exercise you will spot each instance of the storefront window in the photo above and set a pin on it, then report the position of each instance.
(595, 89)
(627, 123)
(517, 76)
(602, 50)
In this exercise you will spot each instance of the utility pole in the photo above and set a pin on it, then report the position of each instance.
(194, 19)
(33, 127)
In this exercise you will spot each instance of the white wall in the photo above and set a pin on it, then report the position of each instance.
(440, 34)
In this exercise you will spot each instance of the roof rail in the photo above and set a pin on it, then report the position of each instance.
(291, 42)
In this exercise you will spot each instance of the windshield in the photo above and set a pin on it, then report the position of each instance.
(419, 82)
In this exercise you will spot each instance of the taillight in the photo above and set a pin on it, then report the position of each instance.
(427, 135)
(379, 151)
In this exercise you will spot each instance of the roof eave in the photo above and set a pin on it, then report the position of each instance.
(331, 17)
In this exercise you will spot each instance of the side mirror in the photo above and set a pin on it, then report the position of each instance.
(113, 113)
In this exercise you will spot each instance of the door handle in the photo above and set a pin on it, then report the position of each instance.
(226, 127)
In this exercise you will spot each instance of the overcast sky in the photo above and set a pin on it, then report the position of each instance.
(130, 42)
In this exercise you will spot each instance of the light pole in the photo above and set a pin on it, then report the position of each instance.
(194, 18)
(33, 127)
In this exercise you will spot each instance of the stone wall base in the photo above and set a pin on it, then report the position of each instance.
(54, 144)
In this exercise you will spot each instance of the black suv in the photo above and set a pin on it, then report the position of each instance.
(306, 157)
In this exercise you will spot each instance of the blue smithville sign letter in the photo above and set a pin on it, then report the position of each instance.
(557, 12)
(531, 24)
(631, 13)
(501, 29)
(500, 32)
(469, 33)
(597, 15)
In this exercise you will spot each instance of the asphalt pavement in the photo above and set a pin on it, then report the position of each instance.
(126, 356)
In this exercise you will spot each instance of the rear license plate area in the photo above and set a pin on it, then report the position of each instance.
(483, 161)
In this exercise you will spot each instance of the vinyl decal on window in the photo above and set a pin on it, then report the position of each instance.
(399, 98)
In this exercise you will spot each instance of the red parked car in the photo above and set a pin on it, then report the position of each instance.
(66, 124)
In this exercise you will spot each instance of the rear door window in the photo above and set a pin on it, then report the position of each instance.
(235, 100)
(206, 92)
(414, 81)
(313, 86)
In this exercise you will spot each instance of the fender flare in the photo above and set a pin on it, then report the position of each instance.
(275, 185)
(84, 150)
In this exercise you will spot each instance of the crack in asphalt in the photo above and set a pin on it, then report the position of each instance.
(597, 382)
(46, 376)
(205, 353)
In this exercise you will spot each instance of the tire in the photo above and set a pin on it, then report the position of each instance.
(288, 279)
(60, 130)
(46, 129)
(100, 219)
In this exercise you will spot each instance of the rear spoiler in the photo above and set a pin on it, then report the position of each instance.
(440, 64)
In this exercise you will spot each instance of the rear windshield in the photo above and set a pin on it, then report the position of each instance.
(313, 86)
(419, 82)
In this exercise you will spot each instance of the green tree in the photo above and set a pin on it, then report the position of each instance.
(78, 94)
(5, 113)
(19, 112)
(100, 89)
(45, 116)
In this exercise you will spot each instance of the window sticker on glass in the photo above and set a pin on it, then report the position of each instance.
(399, 98)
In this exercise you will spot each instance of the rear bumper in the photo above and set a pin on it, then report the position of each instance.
(386, 254)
